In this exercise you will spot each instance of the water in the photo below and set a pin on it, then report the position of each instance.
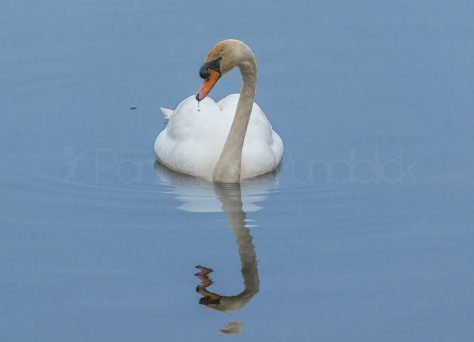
(364, 234)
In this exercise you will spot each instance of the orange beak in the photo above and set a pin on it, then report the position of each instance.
(207, 84)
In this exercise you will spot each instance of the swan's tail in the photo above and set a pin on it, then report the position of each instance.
(167, 112)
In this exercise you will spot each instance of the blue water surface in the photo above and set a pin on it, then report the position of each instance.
(365, 233)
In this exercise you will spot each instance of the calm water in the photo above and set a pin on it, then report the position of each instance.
(366, 232)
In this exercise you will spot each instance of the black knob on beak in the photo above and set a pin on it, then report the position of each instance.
(204, 73)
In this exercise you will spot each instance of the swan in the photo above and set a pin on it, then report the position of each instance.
(225, 141)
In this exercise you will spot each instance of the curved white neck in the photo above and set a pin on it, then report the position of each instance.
(228, 166)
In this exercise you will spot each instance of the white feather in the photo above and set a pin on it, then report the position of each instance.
(167, 112)
(193, 139)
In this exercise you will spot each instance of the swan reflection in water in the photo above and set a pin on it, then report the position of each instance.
(235, 200)
(231, 199)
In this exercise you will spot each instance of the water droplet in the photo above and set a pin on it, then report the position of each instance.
(198, 106)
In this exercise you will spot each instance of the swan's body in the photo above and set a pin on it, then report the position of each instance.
(225, 141)
(193, 140)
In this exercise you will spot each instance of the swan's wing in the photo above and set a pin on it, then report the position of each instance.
(193, 138)
(167, 112)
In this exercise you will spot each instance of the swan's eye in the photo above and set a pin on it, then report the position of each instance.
(215, 65)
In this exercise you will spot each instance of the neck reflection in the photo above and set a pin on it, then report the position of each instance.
(230, 196)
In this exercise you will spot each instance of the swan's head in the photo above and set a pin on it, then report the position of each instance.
(221, 58)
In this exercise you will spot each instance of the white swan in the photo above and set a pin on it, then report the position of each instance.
(225, 141)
